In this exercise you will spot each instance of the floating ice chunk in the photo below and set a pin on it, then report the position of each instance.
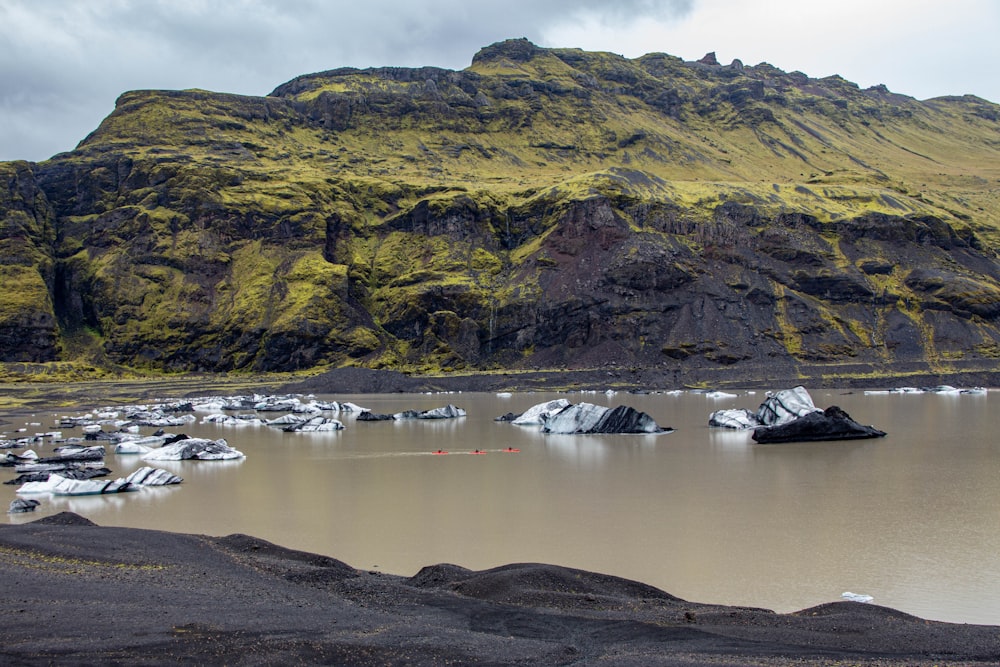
(61, 486)
(19, 505)
(785, 406)
(447, 412)
(536, 414)
(719, 394)
(737, 418)
(194, 449)
(314, 425)
(285, 420)
(589, 418)
(147, 476)
(128, 448)
(856, 597)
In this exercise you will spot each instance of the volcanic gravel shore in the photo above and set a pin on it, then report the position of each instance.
(78, 593)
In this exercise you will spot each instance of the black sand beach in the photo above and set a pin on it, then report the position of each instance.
(77, 593)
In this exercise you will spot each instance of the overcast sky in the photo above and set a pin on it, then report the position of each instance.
(63, 62)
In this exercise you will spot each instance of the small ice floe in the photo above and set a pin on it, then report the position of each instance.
(130, 448)
(58, 485)
(147, 476)
(233, 420)
(155, 416)
(213, 404)
(19, 505)
(586, 418)
(504, 394)
(856, 597)
(447, 412)
(150, 441)
(537, 414)
(11, 459)
(323, 406)
(199, 449)
(736, 418)
(719, 395)
(314, 425)
(285, 420)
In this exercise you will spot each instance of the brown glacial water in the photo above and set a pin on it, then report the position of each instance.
(912, 519)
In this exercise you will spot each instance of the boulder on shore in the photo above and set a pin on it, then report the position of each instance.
(830, 424)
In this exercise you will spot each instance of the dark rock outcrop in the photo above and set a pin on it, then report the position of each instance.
(830, 424)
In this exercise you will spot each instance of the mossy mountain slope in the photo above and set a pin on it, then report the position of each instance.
(541, 208)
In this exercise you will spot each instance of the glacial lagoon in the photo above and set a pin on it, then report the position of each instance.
(912, 519)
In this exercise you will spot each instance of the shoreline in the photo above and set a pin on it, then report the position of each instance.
(78, 592)
(26, 396)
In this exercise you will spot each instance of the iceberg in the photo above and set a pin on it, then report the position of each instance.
(537, 414)
(147, 476)
(736, 418)
(58, 485)
(856, 597)
(586, 418)
(778, 408)
(19, 505)
(314, 425)
(199, 449)
(447, 412)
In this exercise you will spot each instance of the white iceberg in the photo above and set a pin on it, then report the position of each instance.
(62, 486)
(147, 476)
(314, 425)
(537, 414)
(130, 448)
(778, 408)
(199, 449)
(856, 597)
(736, 418)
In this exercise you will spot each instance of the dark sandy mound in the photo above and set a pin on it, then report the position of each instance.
(78, 593)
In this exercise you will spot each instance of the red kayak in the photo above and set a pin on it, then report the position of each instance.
(440, 451)
(511, 450)
(478, 451)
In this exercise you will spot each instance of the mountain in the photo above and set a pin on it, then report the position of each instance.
(543, 208)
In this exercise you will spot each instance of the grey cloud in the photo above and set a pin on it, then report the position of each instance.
(63, 62)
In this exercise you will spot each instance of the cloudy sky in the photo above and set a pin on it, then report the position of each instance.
(63, 62)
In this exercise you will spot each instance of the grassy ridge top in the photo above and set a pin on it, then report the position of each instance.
(522, 119)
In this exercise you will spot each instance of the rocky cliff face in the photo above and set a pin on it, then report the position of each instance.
(543, 208)
(28, 329)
